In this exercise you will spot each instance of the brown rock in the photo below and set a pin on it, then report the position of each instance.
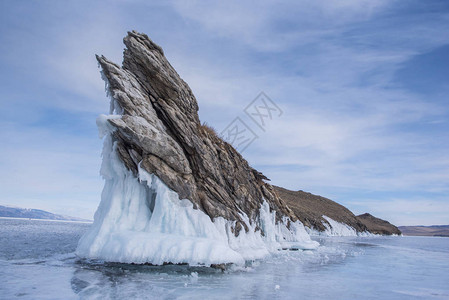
(310, 208)
(161, 130)
(378, 226)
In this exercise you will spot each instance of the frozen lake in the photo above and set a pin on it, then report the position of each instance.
(37, 261)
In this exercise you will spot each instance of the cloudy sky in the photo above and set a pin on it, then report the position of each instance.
(363, 86)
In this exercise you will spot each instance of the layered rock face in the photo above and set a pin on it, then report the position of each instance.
(160, 129)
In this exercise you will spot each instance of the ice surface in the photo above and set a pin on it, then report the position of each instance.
(140, 220)
(44, 267)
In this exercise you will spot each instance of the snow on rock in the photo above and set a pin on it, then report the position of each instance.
(104, 127)
(334, 228)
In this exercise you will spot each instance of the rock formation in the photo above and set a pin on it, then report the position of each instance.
(174, 191)
(310, 209)
(161, 130)
(378, 226)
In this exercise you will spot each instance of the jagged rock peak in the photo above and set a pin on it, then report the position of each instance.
(160, 131)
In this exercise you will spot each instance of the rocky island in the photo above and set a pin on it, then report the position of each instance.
(175, 192)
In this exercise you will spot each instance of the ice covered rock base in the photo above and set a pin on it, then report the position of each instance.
(175, 192)
(140, 220)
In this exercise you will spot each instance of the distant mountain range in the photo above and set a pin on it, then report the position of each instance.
(28, 213)
(435, 230)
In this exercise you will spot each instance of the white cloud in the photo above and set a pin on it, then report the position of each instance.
(255, 22)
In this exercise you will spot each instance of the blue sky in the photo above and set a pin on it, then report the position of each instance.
(363, 86)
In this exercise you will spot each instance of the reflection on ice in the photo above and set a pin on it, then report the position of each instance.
(259, 278)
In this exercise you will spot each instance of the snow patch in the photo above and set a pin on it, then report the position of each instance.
(334, 228)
